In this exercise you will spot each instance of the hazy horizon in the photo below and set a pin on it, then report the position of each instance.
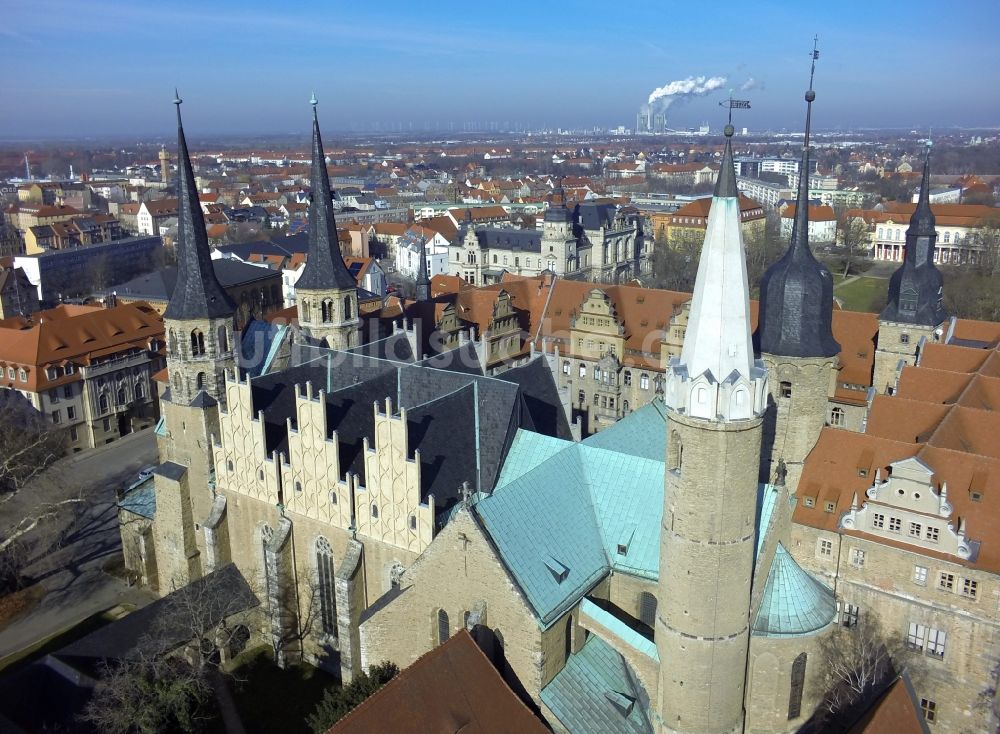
(109, 70)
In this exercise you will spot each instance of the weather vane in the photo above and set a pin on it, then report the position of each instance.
(734, 104)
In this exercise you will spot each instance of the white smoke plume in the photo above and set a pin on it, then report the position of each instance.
(749, 84)
(693, 86)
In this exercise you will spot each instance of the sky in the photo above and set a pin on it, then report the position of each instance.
(102, 67)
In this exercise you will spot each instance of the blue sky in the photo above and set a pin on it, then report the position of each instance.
(101, 66)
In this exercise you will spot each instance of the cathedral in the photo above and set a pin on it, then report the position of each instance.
(381, 491)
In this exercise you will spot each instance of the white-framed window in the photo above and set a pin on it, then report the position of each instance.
(644, 381)
(565, 367)
(920, 575)
(916, 637)
(895, 524)
(935, 642)
(22, 375)
(915, 529)
(837, 417)
(932, 534)
(878, 520)
(946, 581)
(970, 588)
(857, 557)
(70, 368)
(825, 548)
(583, 370)
(809, 501)
(849, 615)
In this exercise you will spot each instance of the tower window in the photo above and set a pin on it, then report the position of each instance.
(347, 307)
(223, 340)
(197, 343)
(444, 626)
(786, 389)
(200, 382)
(797, 684)
(904, 338)
(327, 311)
(327, 595)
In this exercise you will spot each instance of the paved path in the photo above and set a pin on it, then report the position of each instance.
(76, 584)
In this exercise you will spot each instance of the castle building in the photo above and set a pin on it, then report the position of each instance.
(796, 342)
(915, 312)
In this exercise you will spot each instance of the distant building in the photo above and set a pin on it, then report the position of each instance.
(691, 219)
(88, 369)
(18, 297)
(152, 214)
(955, 224)
(822, 223)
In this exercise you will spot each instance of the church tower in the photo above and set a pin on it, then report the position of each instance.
(200, 350)
(915, 309)
(558, 242)
(423, 279)
(327, 293)
(795, 338)
(715, 394)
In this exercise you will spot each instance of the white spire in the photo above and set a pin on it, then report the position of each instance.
(718, 352)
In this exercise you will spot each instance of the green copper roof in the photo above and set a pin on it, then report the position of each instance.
(642, 434)
(768, 498)
(528, 450)
(597, 693)
(794, 603)
(621, 630)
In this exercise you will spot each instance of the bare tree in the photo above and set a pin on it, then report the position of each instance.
(854, 239)
(856, 663)
(28, 443)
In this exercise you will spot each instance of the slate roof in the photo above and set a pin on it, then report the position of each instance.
(506, 238)
(199, 294)
(794, 602)
(597, 693)
(160, 284)
(141, 500)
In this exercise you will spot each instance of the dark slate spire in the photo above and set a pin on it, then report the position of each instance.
(915, 290)
(324, 268)
(725, 184)
(423, 280)
(796, 293)
(198, 294)
(557, 211)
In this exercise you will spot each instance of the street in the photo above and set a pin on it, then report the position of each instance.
(79, 493)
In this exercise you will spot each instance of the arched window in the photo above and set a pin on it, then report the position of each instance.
(304, 310)
(798, 683)
(347, 308)
(223, 339)
(120, 396)
(569, 636)
(625, 407)
(172, 343)
(374, 511)
(647, 609)
(837, 417)
(102, 403)
(140, 390)
(327, 586)
(644, 381)
(197, 343)
(627, 378)
(199, 382)
(444, 626)
(675, 452)
(327, 310)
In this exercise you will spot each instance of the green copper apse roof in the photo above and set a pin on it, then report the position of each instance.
(794, 603)
(596, 693)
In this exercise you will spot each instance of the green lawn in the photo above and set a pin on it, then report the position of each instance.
(270, 699)
(860, 294)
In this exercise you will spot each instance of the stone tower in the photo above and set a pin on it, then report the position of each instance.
(164, 165)
(326, 292)
(558, 242)
(200, 343)
(795, 338)
(915, 310)
(716, 394)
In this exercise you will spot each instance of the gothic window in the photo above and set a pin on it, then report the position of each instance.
(120, 396)
(229, 465)
(140, 391)
(327, 593)
(305, 311)
(102, 403)
(444, 626)
(647, 609)
(798, 683)
(270, 572)
(569, 636)
(327, 311)
(197, 343)
(199, 382)
(676, 452)
(223, 341)
(172, 343)
(347, 308)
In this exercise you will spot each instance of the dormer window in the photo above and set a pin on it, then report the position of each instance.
(622, 549)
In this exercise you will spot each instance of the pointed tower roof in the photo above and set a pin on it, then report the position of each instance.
(198, 294)
(423, 280)
(324, 268)
(916, 289)
(796, 293)
(717, 339)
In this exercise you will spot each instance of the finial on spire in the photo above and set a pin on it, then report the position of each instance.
(177, 103)
(312, 99)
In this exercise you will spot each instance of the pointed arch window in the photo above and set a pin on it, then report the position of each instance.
(305, 311)
(197, 343)
(348, 309)
(327, 586)
(172, 343)
(223, 339)
(120, 396)
(327, 310)
(199, 382)
(798, 683)
(569, 637)
(102, 403)
(140, 390)
(444, 626)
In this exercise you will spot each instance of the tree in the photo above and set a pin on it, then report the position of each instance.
(764, 246)
(150, 695)
(854, 234)
(857, 663)
(28, 443)
(338, 701)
